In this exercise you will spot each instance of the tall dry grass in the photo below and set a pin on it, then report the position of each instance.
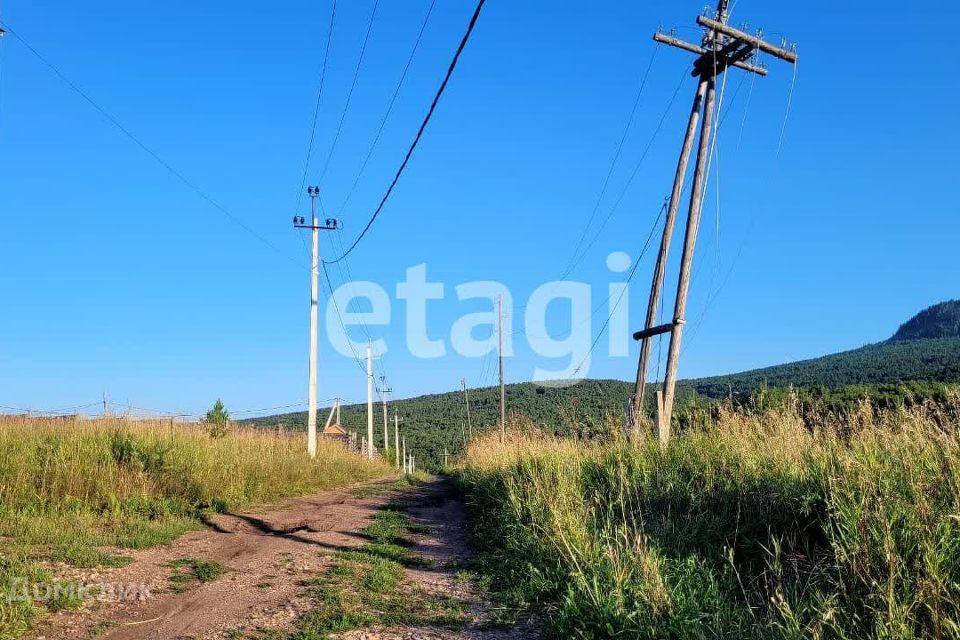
(753, 527)
(74, 490)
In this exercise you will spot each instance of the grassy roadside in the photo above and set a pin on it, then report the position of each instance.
(753, 527)
(80, 493)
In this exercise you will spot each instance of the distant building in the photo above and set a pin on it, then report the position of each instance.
(336, 432)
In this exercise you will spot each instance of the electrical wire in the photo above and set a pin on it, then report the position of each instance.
(313, 127)
(613, 163)
(343, 326)
(353, 85)
(51, 411)
(633, 271)
(633, 174)
(146, 149)
(316, 108)
(786, 116)
(386, 115)
(416, 140)
(346, 275)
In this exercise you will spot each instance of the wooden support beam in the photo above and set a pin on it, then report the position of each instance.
(753, 41)
(660, 270)
(686, 263)
(692, 48)
(653, 331)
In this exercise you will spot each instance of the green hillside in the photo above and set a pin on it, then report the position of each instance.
(939, 321)
(888, 362)
(436, 422)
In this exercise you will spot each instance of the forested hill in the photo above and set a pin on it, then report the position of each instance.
(438, 421)
(925, 348)
(892, 361)
(939, 321)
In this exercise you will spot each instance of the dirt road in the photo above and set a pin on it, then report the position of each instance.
(269, 555)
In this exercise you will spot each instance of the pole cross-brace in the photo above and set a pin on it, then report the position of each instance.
(653, 331)
(716, 62)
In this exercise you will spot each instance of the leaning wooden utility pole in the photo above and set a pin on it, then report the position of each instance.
(503, 395)
(721, 47)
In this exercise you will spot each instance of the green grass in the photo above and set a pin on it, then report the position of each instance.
(366, 586)
(190, 569)
(753, 527)
(75, 491)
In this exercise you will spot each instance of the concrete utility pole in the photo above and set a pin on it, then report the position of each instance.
(404, 454)
(466, 401)
(396, 437)
(721, 47)
(299, 223)
(384, 390)
(503, 394)
(369, 401)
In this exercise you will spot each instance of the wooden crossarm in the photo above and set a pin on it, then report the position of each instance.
(753, 41)
(692, 48)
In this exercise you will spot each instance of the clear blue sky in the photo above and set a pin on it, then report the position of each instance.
(116, 277)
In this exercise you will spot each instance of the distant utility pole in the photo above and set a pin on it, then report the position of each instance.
(369, 401)
(106, 411)
(404, 454)
(721, 47)
(315, 227)
(466, 400)
(396, 437)
(384, 390)
(503, 394)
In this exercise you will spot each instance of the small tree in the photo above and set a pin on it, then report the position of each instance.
(218, 420)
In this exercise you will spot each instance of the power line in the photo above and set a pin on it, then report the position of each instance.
(346, 273)
(316, 109)
(386, 115)
(633, 174)
(51, 411)
(416, 140)
(613, 163)
(633, 271)
(143, 146)
(343, 326)
(353, 85)
(786, 115)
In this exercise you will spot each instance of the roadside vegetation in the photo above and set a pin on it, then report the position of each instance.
(753, 524)
(81, 492)
(368, 586)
